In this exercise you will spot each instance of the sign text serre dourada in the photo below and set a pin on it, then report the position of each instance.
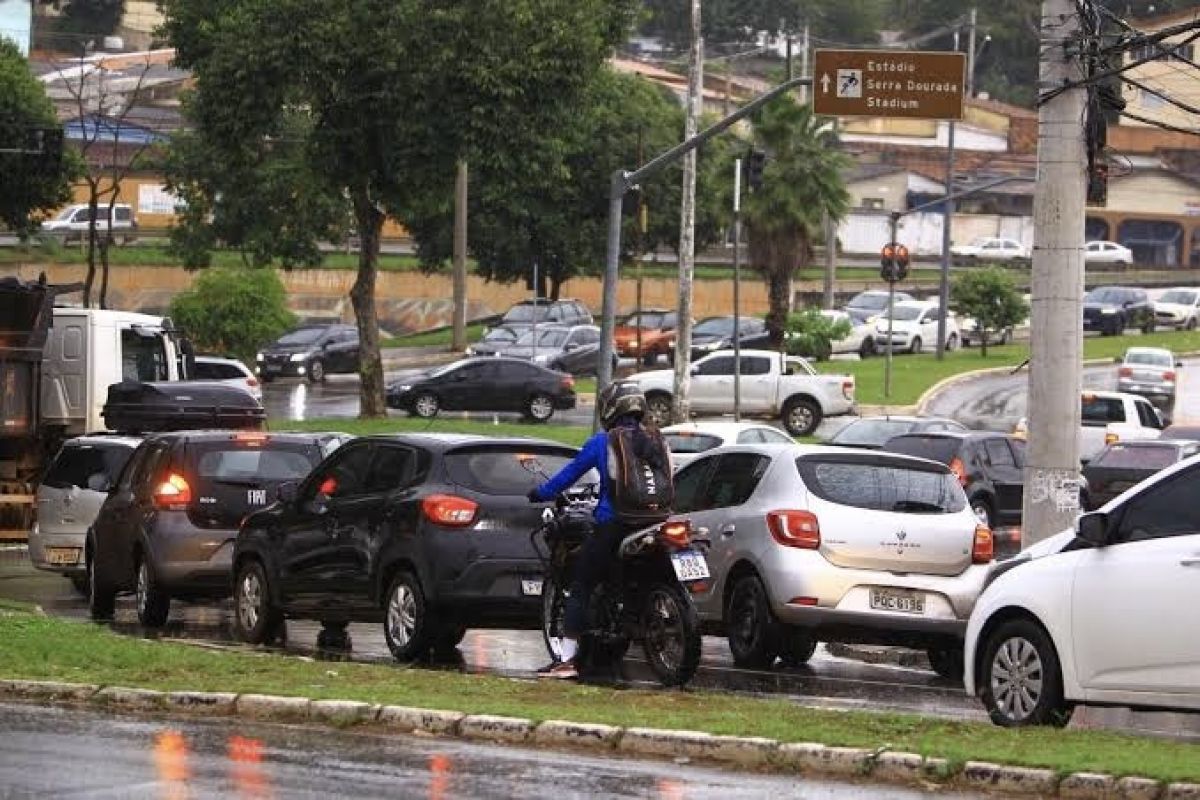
(889, 83)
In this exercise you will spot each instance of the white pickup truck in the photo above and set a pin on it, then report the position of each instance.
(772, 385)
(1109, 417)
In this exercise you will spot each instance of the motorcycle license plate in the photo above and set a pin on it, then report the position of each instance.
(689, 565)
(532, 588)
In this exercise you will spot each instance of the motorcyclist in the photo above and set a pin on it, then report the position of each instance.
(621, 404)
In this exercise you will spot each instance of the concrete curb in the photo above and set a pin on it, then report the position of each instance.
(881, 765)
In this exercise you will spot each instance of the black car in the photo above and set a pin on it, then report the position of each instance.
(1122, 465)
(310, 352)
(487, 383)
(428, 533)
(1112, 309)
(990, 466)
(559, 312)
(872, 433)
(716, 333)
(167, 528)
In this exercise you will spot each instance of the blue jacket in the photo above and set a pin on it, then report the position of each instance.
(594, 455)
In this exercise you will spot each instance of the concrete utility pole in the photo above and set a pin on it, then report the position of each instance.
(459, 337)
(737, 289)
(1055, 367)
(680, 409)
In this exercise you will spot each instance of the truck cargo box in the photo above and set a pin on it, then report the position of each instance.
(135, 407)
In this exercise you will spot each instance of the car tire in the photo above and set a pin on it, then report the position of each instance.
(750, 627)
(408, 625)
(915, 346)
(153, 604)
(801, 416)
(256, 620)
(1034, 694)
(539, 407)
(447, 639)
(426, 405)
(947, 663)
(952, 342)
(797, 647)
(316, 371)
(102, 597)
(658, 404)
(981, 507)
(1191, 324)
(867, 348)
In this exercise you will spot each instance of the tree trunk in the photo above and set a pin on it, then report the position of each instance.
(983, 334)
(90, 281)
(105, 243)
(362, 297)
(779, 282)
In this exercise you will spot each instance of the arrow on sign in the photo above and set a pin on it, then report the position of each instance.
(825, 83)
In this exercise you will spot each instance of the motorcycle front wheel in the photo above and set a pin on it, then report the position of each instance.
(553, 611)
(670, 634)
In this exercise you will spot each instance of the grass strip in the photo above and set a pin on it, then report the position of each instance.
(39, 648)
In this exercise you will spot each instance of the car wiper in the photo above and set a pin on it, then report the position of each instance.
(916, 505)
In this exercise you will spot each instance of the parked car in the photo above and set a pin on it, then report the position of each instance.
(72, 222)
(496, 340)
(1178, 308)
(989, 466)
(872, 433)
(1106, 253)
(430, 537)
(1122, 465)
(228, 371)
(860, 340)
(485, 384)
(815, 543)
(968, 329)
(1112, 309)
(864, 307)
(562, 312)
(990, 249)
(687, 440)
(654, 329)
(167, 527)
(69, 497)
(914, 325)
(548, 344)
(716, 333)
(1091, 615)
(312, 352)
(1108, 417)
(1149, 372)
(772, 386)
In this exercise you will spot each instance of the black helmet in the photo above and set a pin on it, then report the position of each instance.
(620, 399)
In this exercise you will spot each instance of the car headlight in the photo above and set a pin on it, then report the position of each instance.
(401, 388)
(1108, 311)
(541, 359)
(298, 357)
(259, 357)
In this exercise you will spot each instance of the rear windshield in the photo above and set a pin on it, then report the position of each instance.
(871, 431)
(251, 462)
(76, 464)
(1149, 357)
(1103, 410)
(500, 471)
(935, 448)
(691, 442)
(526, 312)
(879, 486)
(207, 370)
(1149, 457)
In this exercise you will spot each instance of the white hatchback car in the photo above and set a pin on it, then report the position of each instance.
(1178, 308)
(230, 371)
(1106, 253)
(915, 327)
(1096, 614)
(687, 440)
(822, 543)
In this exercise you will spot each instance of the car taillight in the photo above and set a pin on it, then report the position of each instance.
(795, 529)
(848, 389)
(449, 511)
(568, 382)
(677, 533)
(1169, 376)
(1111, 438)
(1125, 372)
(173, 494)
(252, 438)
(959, 470)
(252, 382)
(983, 550)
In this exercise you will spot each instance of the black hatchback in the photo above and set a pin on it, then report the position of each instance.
(428, 533)
(1112, 309)
(311, 352)
(1122, 465)
(485, 384)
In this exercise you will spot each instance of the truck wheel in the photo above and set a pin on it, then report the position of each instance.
(801, 416)
(659, 405)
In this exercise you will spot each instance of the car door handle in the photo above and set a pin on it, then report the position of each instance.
(1190, 562)
(728, 530)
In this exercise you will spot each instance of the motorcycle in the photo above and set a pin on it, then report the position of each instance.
(646, 596)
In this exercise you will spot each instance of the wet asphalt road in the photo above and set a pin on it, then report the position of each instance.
(80, 753)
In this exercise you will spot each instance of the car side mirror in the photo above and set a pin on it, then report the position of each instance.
(1093, 528)
(287, 492)
(1178, 364)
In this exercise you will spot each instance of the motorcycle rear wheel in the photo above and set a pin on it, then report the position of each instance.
(670, 634)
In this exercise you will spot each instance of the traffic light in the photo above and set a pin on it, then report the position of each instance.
(893, 262)
(756, 161)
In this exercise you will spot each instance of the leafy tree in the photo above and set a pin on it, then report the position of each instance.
(812, 334)
(29, 183)
(233, 311)
(88, 17)
(990, 296)
(389, 95)
(802, 182)
(739, 22)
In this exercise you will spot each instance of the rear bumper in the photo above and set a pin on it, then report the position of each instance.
(191, 561)
(565, 402)
(874, 628)
(488, 593)
(39, 551)
(1145, 389)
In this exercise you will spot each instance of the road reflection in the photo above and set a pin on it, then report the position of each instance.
(440, 769)
(171, 764)
(247, 772)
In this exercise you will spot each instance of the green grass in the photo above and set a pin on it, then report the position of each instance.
(156, 256)
(40, 648)
(439, 337)
(567, 434)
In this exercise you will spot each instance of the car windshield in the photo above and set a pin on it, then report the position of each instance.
(649, 319)
(1105, 295)
(936, 448)
(545, 338)
(1148, 457)
(66, 213)
(1150, 358)
(882, 486)
(906, 313)
(496, 335)
(502, 470)
(1178, 296)
(982, 241)
(301, 336)
(871, 431)
(526, 312)
(872, 300)
(691, 442)
(440, 371)
(715, 326)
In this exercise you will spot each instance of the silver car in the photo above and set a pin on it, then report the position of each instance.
(70, 496)
(820, 543)
(1150, 372)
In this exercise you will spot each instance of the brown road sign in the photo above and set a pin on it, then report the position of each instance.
(889, 83)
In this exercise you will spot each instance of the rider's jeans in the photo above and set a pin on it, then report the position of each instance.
(596, 556)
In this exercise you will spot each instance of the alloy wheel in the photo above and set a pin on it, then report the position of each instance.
(249, 600)
(1017, 678)
(541, 407)
(426, 406)
(402, 615)
(143, 585)
(800, 417)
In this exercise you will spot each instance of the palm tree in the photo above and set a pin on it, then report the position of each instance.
(801, 183)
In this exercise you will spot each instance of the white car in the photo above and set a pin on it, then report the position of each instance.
(861, 338)
(968, 328)
(1178, 308)
(1107, 417)
(689, 439)
(1106, 253)
(1093, 615)
(915, 327)
(989, 249)
(229, 371)
(72, 222)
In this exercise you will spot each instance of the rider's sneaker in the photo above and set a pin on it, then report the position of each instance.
(563, 670)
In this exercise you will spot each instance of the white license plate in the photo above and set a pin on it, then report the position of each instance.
(689, 565)
(273, 367)
(531, 587)
(891, 600)
(62, 556)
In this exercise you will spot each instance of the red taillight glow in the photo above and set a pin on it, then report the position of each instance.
(568, 382)
(795, 529)
(252, 382)
(449, 511)
(173, 494)
(802, 601)
(960, 471)
(1169, 376)
(1125, 372)
(848, 389)
(983, 550)
(250, 437)
(677, 533)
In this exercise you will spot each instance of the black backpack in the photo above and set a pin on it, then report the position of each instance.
(640, 476)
